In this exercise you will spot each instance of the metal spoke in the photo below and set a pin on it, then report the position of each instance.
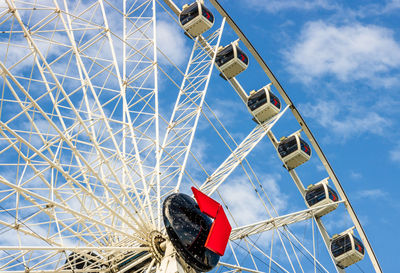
(274, 223)
(238, 155)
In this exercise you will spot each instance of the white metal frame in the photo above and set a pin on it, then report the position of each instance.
(102, 165)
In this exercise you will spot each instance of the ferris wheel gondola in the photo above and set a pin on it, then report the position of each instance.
(347, 249)
(79, 261)
(231, 60)
(133, 261)
(293, 151)
(263, 104)
(196, 19)
(321, 194)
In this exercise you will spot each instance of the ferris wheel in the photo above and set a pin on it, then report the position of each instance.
(131, 142)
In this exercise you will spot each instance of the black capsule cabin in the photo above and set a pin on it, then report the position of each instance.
(196, 19)
(231, 60)
(133, 261)
(321, 195)
(294, 151)
(87, 261)
(263, 104)
(347, 249)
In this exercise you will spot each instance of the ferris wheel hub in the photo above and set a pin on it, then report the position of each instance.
(157, 244)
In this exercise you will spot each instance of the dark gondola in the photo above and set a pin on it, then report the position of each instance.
(188, 228)
(346, 249)
(321, 194)
(294, 151)
(137, 259)
(89, 260)
(196, 19)
(231, 60)
(263, 104)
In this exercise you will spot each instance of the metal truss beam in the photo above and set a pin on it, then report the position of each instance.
(274, 223)
(185, 116)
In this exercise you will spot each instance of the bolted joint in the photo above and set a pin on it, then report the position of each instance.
(49, 206)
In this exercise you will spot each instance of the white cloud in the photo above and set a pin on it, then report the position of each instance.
(171, 42)
(349, 52)
(370, 10)
(339, 223)
(278, 5)
(222, 108)
(355, 175)
(244, 203)
(395, 153)
(371, 194)
(345, 121)
(378, 8)
(391, 5)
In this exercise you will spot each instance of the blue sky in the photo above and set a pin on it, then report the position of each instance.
(339, 61)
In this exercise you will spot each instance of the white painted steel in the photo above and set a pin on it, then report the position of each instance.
(186, 113)
(274, 223)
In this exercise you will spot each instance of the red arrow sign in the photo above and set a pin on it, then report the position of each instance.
(221, 229)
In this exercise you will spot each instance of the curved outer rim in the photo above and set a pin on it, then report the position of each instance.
(301, 122)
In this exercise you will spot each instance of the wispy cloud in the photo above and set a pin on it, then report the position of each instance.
(277, 5)
(371, 193)
(244, 203)
(348, 52)
(222, 108)
(355, 175)
(171, 43)
(339, 223)
(361, 11)
(379, 9)
(368, 10)
(345, 121)
(393, 4)
(395, 153)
